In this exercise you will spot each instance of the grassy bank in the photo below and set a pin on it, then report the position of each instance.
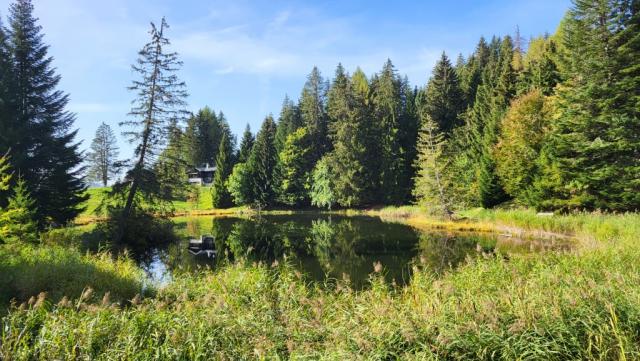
(64, 271)
(201, 204)
(579, 305)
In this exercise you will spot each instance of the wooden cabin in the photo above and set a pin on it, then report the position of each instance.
(202, 175)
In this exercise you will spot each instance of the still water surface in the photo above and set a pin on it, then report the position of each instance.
(326, 248)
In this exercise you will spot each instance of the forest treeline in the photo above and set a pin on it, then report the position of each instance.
(551, 122)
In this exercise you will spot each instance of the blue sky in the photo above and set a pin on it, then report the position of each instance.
(242, 57)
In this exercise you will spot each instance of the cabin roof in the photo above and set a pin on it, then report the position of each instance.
(206, 168)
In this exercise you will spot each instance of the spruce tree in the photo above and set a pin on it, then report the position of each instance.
(596, 142)
(202, 137)
(366, 147)
(172, 166)
(347, 111)
(431, 184)
(18, 220)
(159, 105)
(103, 156)
(386, 102)
(312, 112)
(219, 193)
(484, 119)
(471, 74)
(10, 132)
(540, 68)
(288, 122)
(408, 137)
(261, 165)
(246, 144)
(444, 98)
(43, 147)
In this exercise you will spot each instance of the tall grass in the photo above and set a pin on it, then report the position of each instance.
(557, 308)
(62, 271)
(574, 305)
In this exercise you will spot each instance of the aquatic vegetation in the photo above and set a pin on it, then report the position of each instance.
(580, 304)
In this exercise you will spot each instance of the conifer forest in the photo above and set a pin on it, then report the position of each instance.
(488, 210)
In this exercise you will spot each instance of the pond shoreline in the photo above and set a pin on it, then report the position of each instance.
(574, 305)
(410, 215)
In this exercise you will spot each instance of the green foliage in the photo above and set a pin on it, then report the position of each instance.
(295, 168)
(313, 114)
(525, 128)
(347, 107)
(444, 98)
(540, 68)
(288, 122)
(246, 144)
(239, 184)
(34, 123)
(28, 271)
(5, 174)
(595, 140)
(172, 166)
(103, 156)
(387, 110)
(219, 193)
(483, 123)
(578, 305)
(262, 164)
(432, 184)
(322, 194)
(202, 137)
(18, 219)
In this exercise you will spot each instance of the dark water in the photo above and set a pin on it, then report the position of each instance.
(325, 248)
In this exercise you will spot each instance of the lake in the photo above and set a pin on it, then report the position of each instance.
(326, 248)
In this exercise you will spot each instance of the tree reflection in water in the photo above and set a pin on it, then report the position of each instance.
(326, 247)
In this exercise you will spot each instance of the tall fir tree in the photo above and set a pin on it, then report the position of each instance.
(103, 155)
(408, 137)
(312, 112)
(347, 111)
(444, 98)
(470, 75)
(261, 165)
(158, 106)
(596, 137)
(10, 133)
(42, 140)
(483, 122)
(539, 67)
(219, 193)
(246, 144)
(366, 146)
(432, 189)
(172, 166)
(386, 101)
(202, 137)
(288, 122)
